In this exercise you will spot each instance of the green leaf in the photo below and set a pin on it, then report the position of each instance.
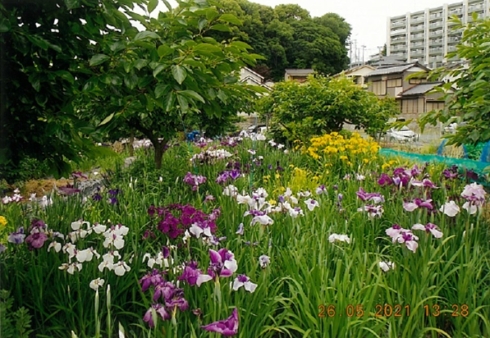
(38, 41)
(167, 4)
(211, 14)
(164, 50)
(158, 70)
(179, 73)
(169, 101)
(140, 63)
(207, 47)
(220, 27)
(117, 46)
(183, 103)
(106, 120)
(160, 90)
(150, 104)
(65, 75)
(152, 4)
(71, 4)
(4, 25)
(241, 45)
(131, 80)
(146, 35)
(202, 23)
(231, 19)
(192, 94)
(98, 59)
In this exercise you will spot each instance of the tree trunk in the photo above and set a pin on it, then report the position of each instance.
(159, 150)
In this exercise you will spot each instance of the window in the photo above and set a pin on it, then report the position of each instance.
(410, 106)
(378, 87)
(394, 83)
(417, 81)
(434, 105)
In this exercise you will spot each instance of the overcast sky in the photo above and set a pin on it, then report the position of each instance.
(368, 18)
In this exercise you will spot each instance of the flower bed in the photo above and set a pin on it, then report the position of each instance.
(247, 238)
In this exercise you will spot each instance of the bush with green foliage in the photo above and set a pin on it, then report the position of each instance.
(322, 105)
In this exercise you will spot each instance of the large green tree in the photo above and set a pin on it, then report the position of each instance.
(288, 37)
(172, 75)
(43, 48)
(467, 87)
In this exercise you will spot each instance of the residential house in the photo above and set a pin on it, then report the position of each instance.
(299, 75)
(253, 78)
(409, 86)
(250, 77)
(358, 74)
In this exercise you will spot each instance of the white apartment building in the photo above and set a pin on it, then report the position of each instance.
(426, 36)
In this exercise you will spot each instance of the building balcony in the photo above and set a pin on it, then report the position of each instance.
(436, 24)
(417, 37)
(438, 33)
(398, 32)
(417, 28)
(436, 51)
(398, 24)
(436, 42)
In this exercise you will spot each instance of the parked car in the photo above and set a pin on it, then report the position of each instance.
(404, 134)
(451, 128)
(259, 129)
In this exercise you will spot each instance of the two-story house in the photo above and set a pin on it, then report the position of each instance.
(409, 86)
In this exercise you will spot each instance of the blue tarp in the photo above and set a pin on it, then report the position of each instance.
(476, 166)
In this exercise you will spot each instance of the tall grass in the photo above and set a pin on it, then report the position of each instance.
(312, 287)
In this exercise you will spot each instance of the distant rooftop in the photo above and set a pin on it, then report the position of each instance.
(395, 69)
(300, 72)
(420, 89)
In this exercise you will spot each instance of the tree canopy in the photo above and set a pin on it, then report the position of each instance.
(322, 105)
(288, 37)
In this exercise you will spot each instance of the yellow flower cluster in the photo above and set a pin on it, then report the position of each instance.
(3, 221)
(333, 147)
(302, 179)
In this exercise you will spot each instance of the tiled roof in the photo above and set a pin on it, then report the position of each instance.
(420, 89)
(299, 72)
(391, 70)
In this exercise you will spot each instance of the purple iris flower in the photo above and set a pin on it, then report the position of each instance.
(151, 279)
(97, 197)
(165, 252)
(68, 190)
(373, 196)
(426, 183)
(227, 327)
(151, 210)
(113, 192)
(471, 175)
(17, 237)
(160, 310)
(451, 173)
(385, 180)
(36, 240)
(165, 290)
(418, 203)
(177, 301)
(191, 273)
(78, 174)
(113, 200)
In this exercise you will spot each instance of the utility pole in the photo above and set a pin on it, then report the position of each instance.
(350, 53)
(363, 47)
